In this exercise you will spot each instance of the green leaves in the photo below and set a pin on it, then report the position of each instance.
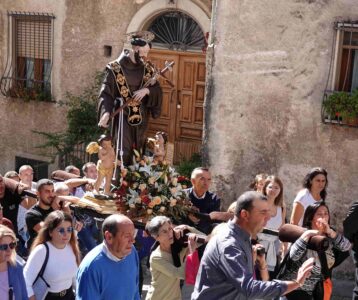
(81, 123)
(342, 104)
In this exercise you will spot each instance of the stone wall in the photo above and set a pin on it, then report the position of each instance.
(270, 66)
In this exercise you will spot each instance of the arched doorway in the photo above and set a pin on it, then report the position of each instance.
(179, 38)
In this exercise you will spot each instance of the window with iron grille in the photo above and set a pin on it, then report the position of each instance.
(28, 70)
(177, 31)
(340, 101)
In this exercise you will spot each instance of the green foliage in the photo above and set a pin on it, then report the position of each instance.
(81, 123)
(186, 166)
(36, 93)
(342, 104)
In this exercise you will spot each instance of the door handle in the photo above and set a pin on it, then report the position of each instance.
(178, 100)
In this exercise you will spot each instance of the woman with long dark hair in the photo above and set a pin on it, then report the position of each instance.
(314, 189)
(317, 222)
(59, 239)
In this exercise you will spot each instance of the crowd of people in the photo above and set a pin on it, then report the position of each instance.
(49, 252)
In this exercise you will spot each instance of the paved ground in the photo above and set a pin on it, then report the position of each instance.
(342, 288)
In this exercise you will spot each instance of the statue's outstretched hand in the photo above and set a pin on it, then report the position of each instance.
(103, 122)
(140, 94)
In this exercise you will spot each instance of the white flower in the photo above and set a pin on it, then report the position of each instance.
(132, 205)
(133, 193)
(149, 211)
(145, 168)
(173, 191)
(142, 186)
(138, 200)
(174, 181)
(173, 202)
(151, 180)
(162, 209)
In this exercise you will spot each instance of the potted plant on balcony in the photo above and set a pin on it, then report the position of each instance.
(344, 105)
(351, 110)
(335, 104)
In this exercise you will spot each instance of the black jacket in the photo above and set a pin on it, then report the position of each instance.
(350, 225)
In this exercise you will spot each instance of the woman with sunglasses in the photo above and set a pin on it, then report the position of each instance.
(63, 259)
(12, 283)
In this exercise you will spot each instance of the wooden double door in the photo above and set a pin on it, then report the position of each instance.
(182, 108)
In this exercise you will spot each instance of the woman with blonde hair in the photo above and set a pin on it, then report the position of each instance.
(273, 190)
(58, 239)
(12, 283)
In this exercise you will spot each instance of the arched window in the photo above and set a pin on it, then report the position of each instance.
(177, 31)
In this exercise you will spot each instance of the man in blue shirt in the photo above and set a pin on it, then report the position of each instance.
(227, 268)
(111, 270)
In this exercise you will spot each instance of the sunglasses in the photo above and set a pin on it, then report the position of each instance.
(4, 247)
(63, 230)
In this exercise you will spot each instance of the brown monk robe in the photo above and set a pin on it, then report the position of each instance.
(133, 136)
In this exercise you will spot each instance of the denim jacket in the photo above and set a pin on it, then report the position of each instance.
(17, 281)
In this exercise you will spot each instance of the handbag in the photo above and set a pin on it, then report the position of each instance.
(40, 286)
(191, 267)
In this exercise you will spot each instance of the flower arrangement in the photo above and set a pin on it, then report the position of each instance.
(150, 187)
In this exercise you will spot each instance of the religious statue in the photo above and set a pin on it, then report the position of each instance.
(130, 82)
(157, 145)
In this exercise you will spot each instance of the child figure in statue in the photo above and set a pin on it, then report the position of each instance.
(157, 146)
(105, 164)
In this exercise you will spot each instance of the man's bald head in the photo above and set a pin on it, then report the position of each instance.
(114, 223)
(118, 233)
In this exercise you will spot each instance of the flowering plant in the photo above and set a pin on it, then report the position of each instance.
(150, 188)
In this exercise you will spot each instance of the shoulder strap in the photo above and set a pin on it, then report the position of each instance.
(324, 266)
(11, 289)
(283, 266)
(42, 270)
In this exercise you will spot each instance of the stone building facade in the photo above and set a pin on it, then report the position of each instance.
(268, 69)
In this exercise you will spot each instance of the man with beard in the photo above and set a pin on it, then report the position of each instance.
(126, 78)
(37, 214)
